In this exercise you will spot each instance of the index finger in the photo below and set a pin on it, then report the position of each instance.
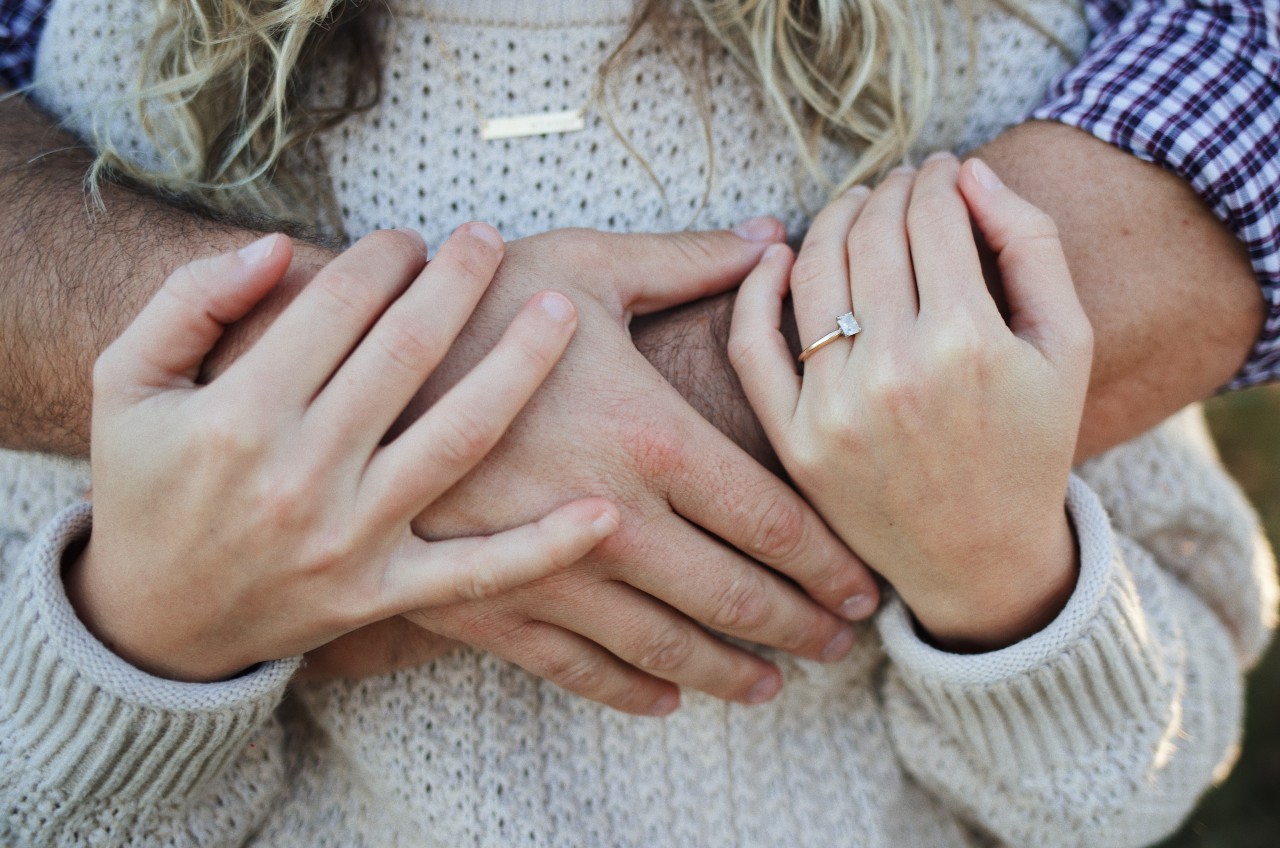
(717, 486)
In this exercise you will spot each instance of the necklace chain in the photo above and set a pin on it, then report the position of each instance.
(510, 126)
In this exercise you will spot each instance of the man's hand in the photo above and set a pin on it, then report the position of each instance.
(622, 625)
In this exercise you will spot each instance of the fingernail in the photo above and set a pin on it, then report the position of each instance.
(665, 705)
(252, 254)
(409, 231)
(559, 307)
(903, 169)
(985, 176)
(838, 646)
(605, 524)
(757, 229)
(485, 233)
(764, 690)
(941, 156)
(857, 191)
(858, 607)
(772, 252)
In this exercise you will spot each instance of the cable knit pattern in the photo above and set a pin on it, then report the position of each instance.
(88, 728)
(1100, 730)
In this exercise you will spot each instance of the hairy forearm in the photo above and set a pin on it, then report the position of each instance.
(72, 276)
(1169, 290)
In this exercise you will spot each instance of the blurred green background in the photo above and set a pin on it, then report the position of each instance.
(1244, 812)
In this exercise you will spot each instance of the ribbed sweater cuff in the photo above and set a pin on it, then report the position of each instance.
(1066, 688)
(89, 724)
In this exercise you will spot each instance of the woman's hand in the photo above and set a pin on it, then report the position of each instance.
(938, 441)
(262, 515)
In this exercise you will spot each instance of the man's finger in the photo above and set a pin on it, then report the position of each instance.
(721, 489)
(566, 659)
(652, 272)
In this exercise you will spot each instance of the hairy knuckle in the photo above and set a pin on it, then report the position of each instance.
(741, 605)
(667, 652)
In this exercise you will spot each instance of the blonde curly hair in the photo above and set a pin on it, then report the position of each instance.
(222, 88)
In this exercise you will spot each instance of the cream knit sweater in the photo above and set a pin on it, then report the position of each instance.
(1101, 730)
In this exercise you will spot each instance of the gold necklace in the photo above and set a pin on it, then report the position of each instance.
(511, 126)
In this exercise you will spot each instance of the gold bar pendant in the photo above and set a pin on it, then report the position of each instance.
(542, 123)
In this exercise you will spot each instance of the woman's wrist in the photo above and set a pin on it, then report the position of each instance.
(1010, 597)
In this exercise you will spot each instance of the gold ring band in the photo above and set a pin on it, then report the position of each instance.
(846, 327)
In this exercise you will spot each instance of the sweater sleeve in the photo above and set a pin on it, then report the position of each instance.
(95, 752)
(1104, 728)
(1194, 86)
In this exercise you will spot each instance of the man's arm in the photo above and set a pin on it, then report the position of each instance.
(71, 279)
(1170, 292)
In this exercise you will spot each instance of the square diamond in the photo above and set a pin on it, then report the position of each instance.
(848, 324)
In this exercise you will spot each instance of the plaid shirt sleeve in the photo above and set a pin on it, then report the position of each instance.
(20, 24)
(1194, 86)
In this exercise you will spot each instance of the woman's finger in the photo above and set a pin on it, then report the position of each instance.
(820, 275)
(380, 377)
(298, 353)
(455, 434)
(166, 343)
(948, 272)
(1043, 305)
(881, 275)
(759, 353)
(452, 571)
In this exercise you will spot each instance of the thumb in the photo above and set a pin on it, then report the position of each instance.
(166, 343)
(655, 271)
(1043, 306)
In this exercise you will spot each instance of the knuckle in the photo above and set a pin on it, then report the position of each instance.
(483, 581)
(226, 433)
(781, 530)
(1038, 225)
(741, 606)
(742, 349)
(670, 650)
(657, 453)
(582, 247)
(930, 210)
(464, 438)
(695, 248)
(345, 292)
(407, 344)
(585, 674)
(809, 269)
